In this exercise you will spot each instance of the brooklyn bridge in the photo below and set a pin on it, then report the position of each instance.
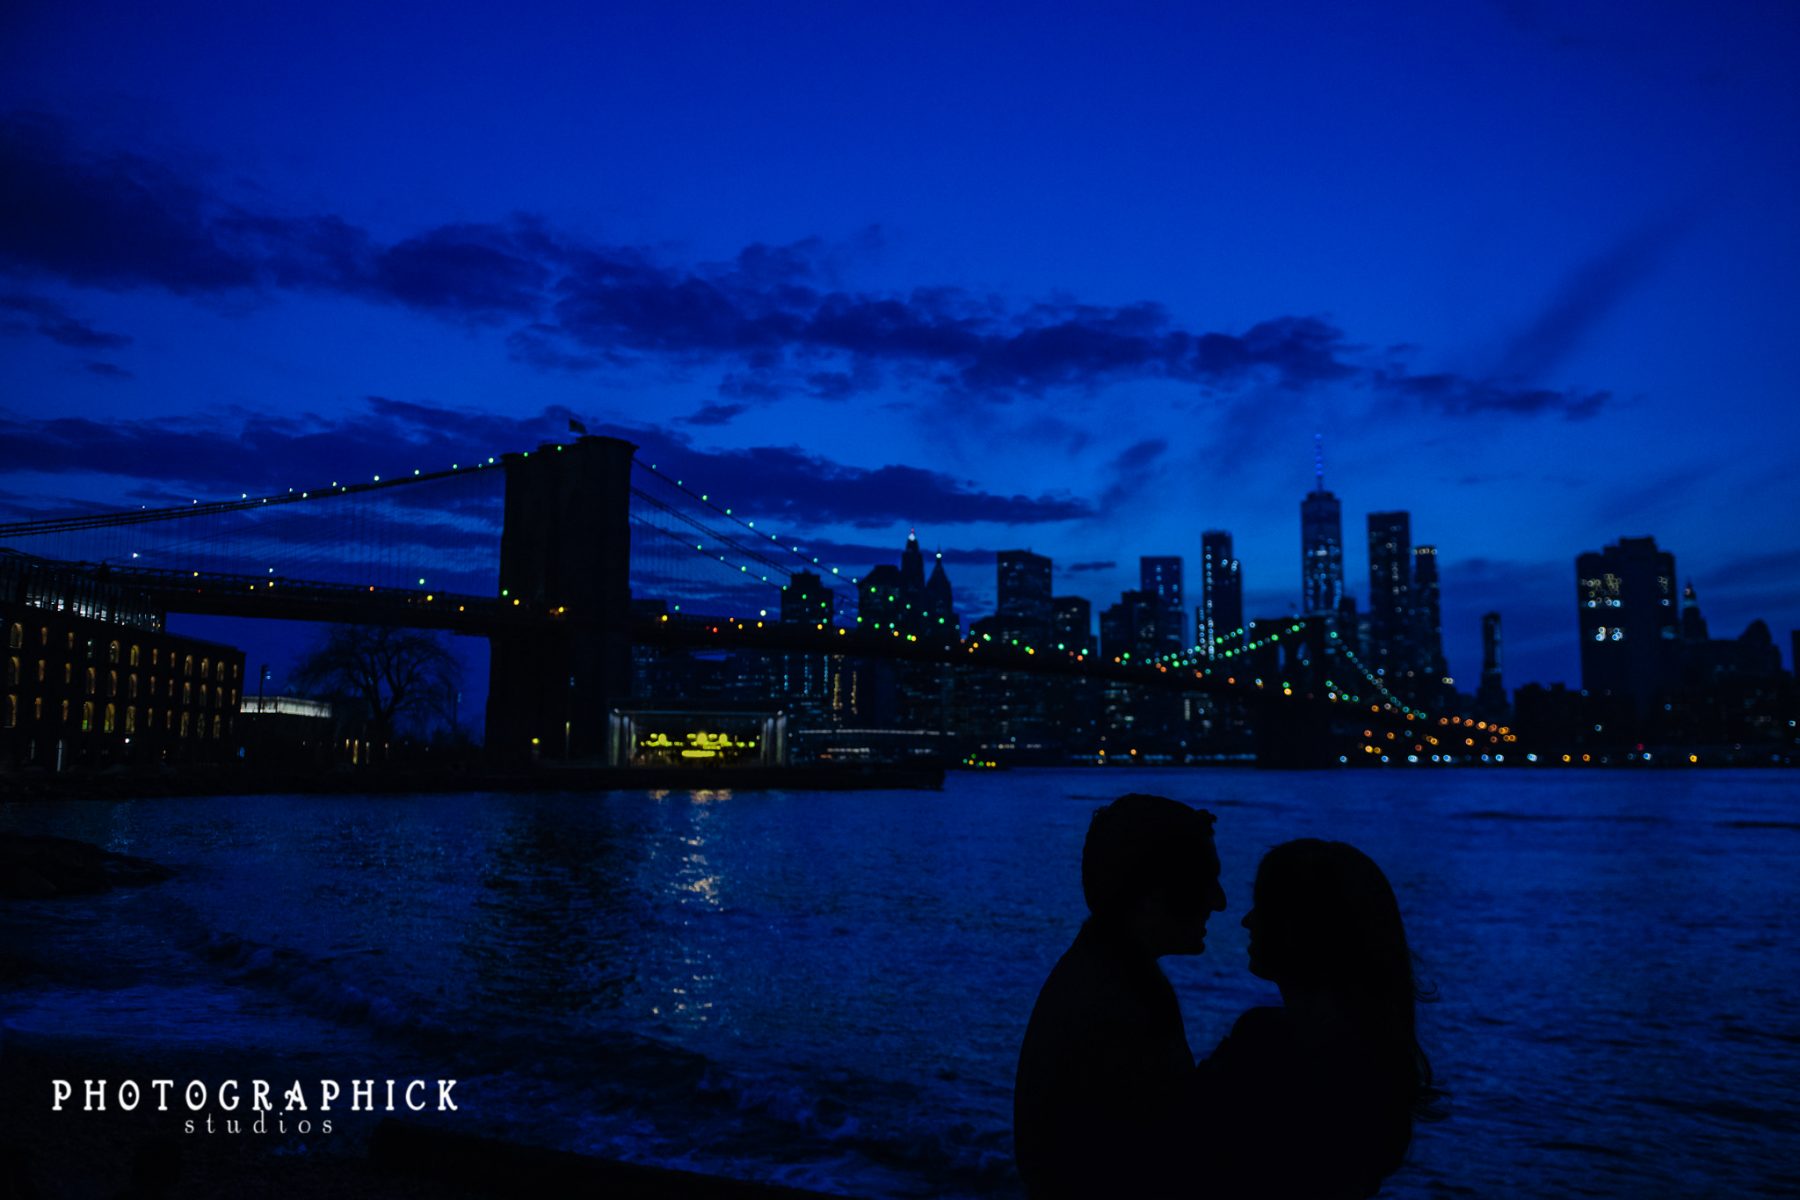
(576, 559)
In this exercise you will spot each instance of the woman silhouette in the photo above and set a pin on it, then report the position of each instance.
(1317, 1098)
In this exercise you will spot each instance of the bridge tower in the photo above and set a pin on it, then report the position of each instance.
(566, 544)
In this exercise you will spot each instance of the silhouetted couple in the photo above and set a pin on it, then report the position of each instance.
(1315, 1098)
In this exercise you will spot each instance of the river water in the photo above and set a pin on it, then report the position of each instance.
(829, 989)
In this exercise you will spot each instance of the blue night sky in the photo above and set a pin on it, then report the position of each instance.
(1086, 279)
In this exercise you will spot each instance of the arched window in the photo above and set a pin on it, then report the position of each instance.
(204, 664)
(187, 666)
(12, 708)
(112, 652)
(91, 676)
(87, 715)
(12, 667)
(203, 695)
(111, 717)
(131, 718)
(187, 696)
(134, 656)
(218, 724)
(16, 638)
(131, 688)
(112, 683)
(219, 672)
(185, 730)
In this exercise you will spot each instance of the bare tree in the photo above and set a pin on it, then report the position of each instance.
(395, 674)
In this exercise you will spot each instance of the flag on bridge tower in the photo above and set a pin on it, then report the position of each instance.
(577, 427)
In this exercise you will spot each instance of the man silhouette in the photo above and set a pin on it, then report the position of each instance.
(1105, 1058)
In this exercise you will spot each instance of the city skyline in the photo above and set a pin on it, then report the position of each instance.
(243, 256)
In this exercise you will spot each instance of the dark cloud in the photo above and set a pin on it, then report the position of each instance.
(1100, 565)
(1586, 297)
(716, 414)
(108, 370)
(42, 315)
(1460, 396)
(803, 490)
(774, 318)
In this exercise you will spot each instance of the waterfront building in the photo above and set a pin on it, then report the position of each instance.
(940, 605)
(1490, 696)
(1160, 576)
(1390, 592)
(93, 677)
(1072, 622)
(1321, 547)
(1428, 628)
(806, 600)
(1023, 587)
(1220, 616)
(1627, 621)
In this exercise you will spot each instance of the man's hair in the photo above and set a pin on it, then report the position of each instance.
(1142, 845)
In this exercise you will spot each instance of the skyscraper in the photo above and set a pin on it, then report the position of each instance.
(1490, 697)
(1023, 580)
(940, 608)
(1630, 631)
(1221, 611)
(1321, 546)
(1160, 575)
(1428, 621)
(1073, 618)
(1390, 591)
(806, 600)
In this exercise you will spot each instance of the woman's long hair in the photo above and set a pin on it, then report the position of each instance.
(1341, 932)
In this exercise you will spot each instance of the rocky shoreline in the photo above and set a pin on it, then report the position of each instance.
(41, 867)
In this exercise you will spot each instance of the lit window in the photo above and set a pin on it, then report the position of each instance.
(187, 666)
(111, 713)
(65, 710)
(131, 687)
(87, 715)
(130, 718)
(91, 677)
(185, 730)
(16, 638)
(187, 695)
(134, 656)
(112, 683)
(112, 653)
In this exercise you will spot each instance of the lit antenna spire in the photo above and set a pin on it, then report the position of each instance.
(1319, 460)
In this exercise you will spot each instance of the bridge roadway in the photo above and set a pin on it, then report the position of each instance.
(277, 598)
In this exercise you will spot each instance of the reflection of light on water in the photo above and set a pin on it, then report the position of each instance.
(708, 795)
(706, 888)
(659, 793)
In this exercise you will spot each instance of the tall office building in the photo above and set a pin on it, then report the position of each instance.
(1073, 621)
(1023, 580)
(806, 600)
(1428, 620)
(1321, 546)
(1160, 575)
(1490, 697)
(1630, 628)
(940, 607)
(1221, 611)
(879, 607)
(1390, 591)
(1129, 627)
